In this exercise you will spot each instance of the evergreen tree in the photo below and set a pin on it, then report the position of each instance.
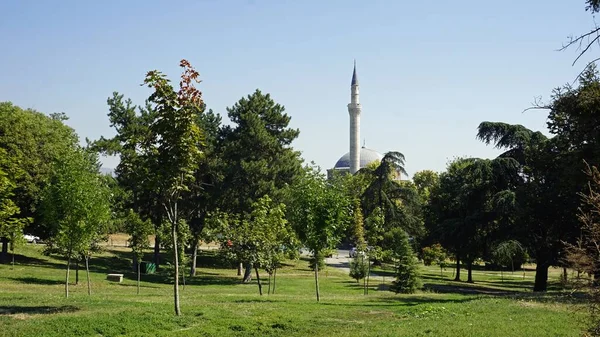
(407, 271)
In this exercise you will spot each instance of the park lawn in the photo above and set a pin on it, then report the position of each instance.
(32, 303)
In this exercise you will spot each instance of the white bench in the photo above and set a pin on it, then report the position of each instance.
(115, 277)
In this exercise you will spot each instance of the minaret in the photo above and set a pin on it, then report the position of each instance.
(354, 109)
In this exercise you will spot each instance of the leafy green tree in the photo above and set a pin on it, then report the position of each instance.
(11, 225)
(176, 146)
(259, 239)
(469, 205)
(138, 231)
(319, 212)
(358, 230)
(75, 207)
(425, 181)
(31, 141)
(435, 254)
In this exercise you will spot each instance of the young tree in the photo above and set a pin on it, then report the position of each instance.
(75, 206)
(320, 213)
(139, 231)
(407, 272)
(434, 253)
(259, 239)
(176, 146)
(504, 254)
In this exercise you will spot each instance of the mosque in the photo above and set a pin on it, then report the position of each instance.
(358, 157)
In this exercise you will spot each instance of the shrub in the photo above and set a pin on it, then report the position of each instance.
(359, 268)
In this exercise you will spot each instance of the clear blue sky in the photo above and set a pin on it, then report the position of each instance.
(429, 72)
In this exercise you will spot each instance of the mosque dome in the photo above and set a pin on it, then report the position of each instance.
(367, 156)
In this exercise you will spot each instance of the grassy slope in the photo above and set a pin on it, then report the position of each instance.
(32, 303)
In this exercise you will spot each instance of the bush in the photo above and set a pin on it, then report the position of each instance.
(434, 253)
(359, 268)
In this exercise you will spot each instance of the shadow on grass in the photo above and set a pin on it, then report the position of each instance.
(24, 260)
(467, 289)
(43, 310)
(398, 300)
(254, 301)
(36, 280)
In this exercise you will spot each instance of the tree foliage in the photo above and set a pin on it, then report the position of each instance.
(75, 206)
(319, 212)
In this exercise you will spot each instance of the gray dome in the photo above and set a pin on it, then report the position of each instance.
(367, 156)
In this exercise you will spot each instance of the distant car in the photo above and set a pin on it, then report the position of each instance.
(355, 252)
(31, 238)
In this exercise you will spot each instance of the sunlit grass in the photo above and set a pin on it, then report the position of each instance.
(215, 303)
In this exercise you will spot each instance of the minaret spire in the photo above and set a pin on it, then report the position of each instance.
(354, 109)
(354, 77)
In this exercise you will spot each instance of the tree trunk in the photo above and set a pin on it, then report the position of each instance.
(269, 289)
(541, 277)
(457, 276)
(183, 275)
(470, 272)
(136, 264)
(274, 276)
(87, 275)
(77, 272)
(258, 281)
(156, 252)
(195, 245)
(240, 268)
(176, 262)
(4, 256)
(67, 277)
(247, 273)
(317, 281)
(368, 274)
(138, 275)
(12, 253)
(565, 275)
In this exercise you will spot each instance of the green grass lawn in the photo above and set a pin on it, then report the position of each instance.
(214, 303)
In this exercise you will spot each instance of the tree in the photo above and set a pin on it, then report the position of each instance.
(435, 253)
(584, 255)
(30, 141)
(259, 239)
(584, 42)
(358, 230)
(11, 227)
(75, 207)
(468, 207)
(319, 212)
(505, 253)
(176, 146)
(359, 268)
(139, 231)
(407, 272)
(204, 194)
(257, 156)
(133, 143)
